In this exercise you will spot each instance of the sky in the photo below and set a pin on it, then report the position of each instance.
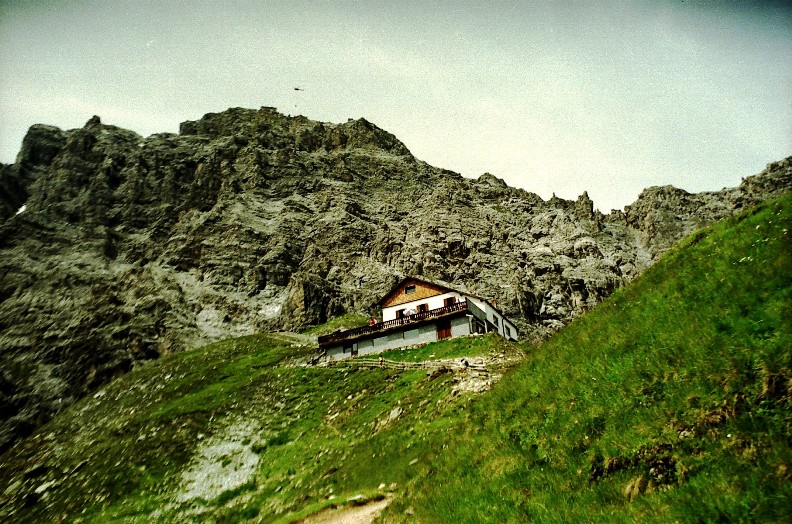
(553, 97)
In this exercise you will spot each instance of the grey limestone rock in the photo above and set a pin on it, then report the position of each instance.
(249, 220)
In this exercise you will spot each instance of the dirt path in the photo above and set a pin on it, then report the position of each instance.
(349, 514)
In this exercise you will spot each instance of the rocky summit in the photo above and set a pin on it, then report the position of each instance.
(116, 248)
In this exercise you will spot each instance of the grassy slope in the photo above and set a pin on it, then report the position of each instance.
(682, 379)
(321, 435)
(348, 321)
(474, 346)
(674, 393)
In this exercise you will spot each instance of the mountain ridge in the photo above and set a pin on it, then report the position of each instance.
(249, 221)
(669, 401)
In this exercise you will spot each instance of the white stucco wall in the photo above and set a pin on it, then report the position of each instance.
(460, 326)
(496, 318)
(435, 302)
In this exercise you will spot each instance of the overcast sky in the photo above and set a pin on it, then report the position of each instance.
(557, 97)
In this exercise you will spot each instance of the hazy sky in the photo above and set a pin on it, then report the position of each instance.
(609, 97)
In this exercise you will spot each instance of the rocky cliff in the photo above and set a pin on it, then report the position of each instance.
(130, 248)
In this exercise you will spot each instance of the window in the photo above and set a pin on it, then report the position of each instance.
(495, 320)
(409, 290)
(400, 313)
(423, 307)
(508, 330)
(450, 301)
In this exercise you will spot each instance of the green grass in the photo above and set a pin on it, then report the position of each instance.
(474, 346)
(321, 435)
(347, 321)
(682, 378)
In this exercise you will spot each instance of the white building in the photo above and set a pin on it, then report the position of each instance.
(417, 311)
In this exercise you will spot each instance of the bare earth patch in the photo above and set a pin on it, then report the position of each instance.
(364, 514)
(222, 464)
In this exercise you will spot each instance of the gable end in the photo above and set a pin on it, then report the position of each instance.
(410, 290)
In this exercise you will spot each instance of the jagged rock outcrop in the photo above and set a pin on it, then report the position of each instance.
(130, 248)
(39, 147)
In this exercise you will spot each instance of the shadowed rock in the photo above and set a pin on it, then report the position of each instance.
(131, 247)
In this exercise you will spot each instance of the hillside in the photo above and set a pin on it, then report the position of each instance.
(241, 429)
(248, 221)
(671, 401)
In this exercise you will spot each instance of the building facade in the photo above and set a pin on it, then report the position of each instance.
(418, 311)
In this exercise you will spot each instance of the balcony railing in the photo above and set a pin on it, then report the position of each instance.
(338, 336)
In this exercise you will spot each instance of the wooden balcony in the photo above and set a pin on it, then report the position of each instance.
(339, 336)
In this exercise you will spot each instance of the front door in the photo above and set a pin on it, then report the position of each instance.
(443, 328)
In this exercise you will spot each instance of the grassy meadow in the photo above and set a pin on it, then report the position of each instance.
(238, 430)
(671, 401)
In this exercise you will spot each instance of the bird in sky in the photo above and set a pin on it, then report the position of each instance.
(298, 89)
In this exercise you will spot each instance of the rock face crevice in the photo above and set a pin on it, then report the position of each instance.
(132, 247)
